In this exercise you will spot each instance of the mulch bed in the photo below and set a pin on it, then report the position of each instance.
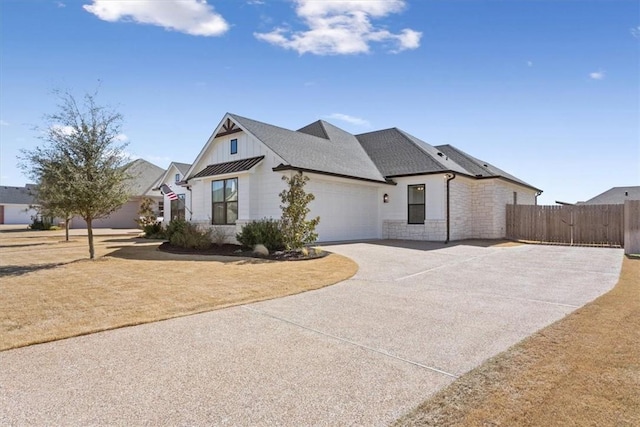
(238, 251)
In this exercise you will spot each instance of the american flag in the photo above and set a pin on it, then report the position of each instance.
(168, 192)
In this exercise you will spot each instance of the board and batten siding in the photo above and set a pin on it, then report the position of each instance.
(257, 191)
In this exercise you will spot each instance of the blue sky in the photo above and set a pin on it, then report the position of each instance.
(546, 90)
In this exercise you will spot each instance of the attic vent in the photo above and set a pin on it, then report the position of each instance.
(486, 165)
(440, 154)
(626, 193)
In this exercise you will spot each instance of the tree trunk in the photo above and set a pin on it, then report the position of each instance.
(66, 228)
(92, 252)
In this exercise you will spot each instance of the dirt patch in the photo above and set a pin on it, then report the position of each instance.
(582, 370)
(51, 291)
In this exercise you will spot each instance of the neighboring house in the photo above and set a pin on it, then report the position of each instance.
(16, 205)
(172, 177)
(144, 176)
(382, 184)
(614, 196)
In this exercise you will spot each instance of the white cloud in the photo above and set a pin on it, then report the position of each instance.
(60, 4)
(194, 17)
(121, 137)
(349, 119)
(529, 63)
(63, 130)
(635, 32)
(343, 27)
(4, 123)
(597, 75)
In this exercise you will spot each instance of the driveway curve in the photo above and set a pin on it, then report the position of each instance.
(362, 352)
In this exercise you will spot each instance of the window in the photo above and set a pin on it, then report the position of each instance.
(177, 208)
(515, 197)
(234, 146)
(416, 204)
(161, 208)
(177, 177)
(224, 201)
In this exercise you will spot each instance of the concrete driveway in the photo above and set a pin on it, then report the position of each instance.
(362, 352)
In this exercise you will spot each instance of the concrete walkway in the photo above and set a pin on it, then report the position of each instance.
(362, 352)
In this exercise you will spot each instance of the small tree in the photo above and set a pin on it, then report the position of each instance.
(82, 159)
(147, 218)
(296, 229)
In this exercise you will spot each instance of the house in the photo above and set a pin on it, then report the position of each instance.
(144, 177)
(383, 184)
(614, 196)
(16, 205)
(174, 207)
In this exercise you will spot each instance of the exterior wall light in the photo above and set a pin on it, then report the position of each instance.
(385, 198)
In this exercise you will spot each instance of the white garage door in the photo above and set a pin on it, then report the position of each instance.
(347, 211)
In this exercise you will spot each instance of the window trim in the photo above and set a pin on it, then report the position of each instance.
(225, 203)
(180, 201)
(177, 177)
(423, 204)
(233, 146)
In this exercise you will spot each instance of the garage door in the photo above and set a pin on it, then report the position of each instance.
(347, 211)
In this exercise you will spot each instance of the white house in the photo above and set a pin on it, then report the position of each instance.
(173, 177)
(16, 205)
(382, 184)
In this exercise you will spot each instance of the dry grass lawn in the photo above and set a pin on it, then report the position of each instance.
(583, 370)
(50, 290)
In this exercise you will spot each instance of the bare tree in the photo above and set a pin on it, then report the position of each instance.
(79, 168)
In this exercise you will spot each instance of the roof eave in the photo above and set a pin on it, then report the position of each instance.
(282, 168)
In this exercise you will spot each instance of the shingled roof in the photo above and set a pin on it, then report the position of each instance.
(339, 153)
(17, 195)
(614, 196)
(375, 156)
(143, 176)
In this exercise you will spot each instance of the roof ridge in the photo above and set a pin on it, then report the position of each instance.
(478, 162)
(270, 125)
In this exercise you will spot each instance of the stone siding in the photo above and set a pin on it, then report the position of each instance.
(433, 230)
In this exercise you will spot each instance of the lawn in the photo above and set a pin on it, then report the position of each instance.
(50, 290)
(582, 370)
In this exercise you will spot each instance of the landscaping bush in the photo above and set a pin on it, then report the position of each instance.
(176, 225)
(265, 232)
(190, 236)
(153, 231)
(41, 223)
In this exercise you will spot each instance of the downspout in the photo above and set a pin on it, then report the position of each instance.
(190, 203)
(450, 177)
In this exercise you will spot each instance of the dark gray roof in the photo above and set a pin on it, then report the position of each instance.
(143, 176)
(229, 167)
(17, 195)
(615, 196)
(396, 153)
(339, 153)
(183, 168)
(315, 129)
(476, 167)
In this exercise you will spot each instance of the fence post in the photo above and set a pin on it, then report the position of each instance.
(632, 227)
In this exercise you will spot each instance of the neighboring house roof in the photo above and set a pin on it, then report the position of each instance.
(615, 196)
(183, 168)
(17, 195)
(144, 175)
(229, 167)
(339, 153)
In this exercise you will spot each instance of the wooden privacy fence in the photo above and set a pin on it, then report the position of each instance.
(601, 225)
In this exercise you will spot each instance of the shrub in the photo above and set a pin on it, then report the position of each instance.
(296, 229)
(219, 235)
(265, 232)
(176, 225)
(190, 236)
(41, 223)
(153, 231)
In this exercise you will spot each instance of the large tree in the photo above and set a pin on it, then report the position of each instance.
(79, 167)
